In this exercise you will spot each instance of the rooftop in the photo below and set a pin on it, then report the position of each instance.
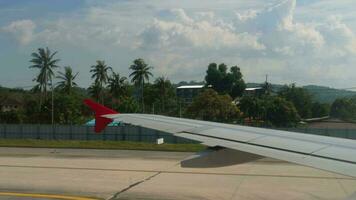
(190, 86)
(253, 88)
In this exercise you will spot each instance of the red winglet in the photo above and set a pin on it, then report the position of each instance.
(100, 122)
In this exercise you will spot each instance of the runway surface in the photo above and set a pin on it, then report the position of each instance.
(72, 174)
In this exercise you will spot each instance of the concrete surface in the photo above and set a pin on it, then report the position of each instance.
(118, 174)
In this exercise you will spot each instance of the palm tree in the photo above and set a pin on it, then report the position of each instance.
(95, 91)
(117, 85)
(67, 78)
(100, 74)
(45, 62)
(141, 72)
(162, 85)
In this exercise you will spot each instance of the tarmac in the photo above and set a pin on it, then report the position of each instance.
(87, 174)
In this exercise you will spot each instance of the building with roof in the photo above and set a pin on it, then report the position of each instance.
(253, 91)
(187, 92)
(10, 105)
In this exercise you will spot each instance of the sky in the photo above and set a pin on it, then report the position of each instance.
(293, 41)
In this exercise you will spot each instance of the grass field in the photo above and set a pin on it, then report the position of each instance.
(124, 145)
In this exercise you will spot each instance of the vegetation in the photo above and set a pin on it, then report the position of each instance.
(141, 73)
(300, 97)
(100, 74)
(270, 111)
(44, 61)
(67, 80)
(101, 145)
(211, 106)
(223, 98)
(344, 108)
(225, 82)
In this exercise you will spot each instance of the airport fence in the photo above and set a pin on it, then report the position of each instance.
(80, 132)
(126, 133)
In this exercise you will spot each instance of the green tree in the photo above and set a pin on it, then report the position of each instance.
(213, 77)
(100, 74)
(344, 108)
(67, 80)
(211, 106)
(300, 97)
(118, 85)
(141, 73)
(238, 84)
(165, 92)
(252, 107)
(320, 109)
(225, 82)
(281, 112)
(95, 91)
(45, 61)
(69, 107)
(11, 117)
(127, 104)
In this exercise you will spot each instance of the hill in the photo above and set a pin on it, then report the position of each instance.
(322, 94)
(327, 94)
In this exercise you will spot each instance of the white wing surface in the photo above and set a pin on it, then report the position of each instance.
(327, 153)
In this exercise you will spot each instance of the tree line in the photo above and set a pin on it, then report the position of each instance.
(223, 98)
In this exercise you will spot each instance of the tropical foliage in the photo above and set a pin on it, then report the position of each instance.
(141, 73)
(223, 98)
(44, 60)
(101, 77)
(118, 85)
(211, 106)
(225, 82)
(67, 83)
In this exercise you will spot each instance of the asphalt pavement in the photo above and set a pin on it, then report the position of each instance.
(81, 174)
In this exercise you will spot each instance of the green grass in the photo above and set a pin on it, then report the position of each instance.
(124, 145)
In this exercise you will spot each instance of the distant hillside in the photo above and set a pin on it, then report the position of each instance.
(326, 94)
(322, 94)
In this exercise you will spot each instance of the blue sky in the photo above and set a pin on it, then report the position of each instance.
(301, 41)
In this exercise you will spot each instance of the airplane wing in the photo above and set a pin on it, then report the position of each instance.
(327, 153)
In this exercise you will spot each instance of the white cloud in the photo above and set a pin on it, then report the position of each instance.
(186, 32)
(22, 30)
(180, 39)
(338, 35)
